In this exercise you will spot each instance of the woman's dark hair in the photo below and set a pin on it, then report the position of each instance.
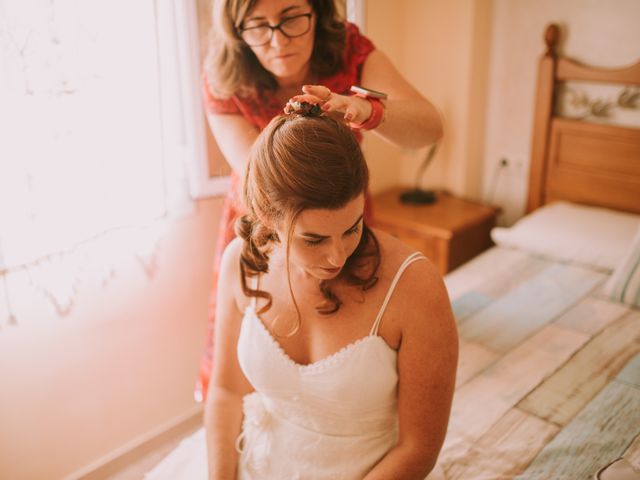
(303, 161)
(231, 66)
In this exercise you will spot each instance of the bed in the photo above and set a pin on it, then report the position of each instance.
(548, 384)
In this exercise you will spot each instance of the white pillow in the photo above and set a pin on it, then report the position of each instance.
(624, 285)
(567, 232)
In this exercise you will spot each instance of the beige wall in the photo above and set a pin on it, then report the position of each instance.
(602, 33)
(442, 49)
(123, 363)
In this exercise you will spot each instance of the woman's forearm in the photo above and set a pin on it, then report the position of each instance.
(223, 419)
(403, 462)
(410, 123)
(234, 136)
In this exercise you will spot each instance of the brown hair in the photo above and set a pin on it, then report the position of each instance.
(231, 66)
(300, 162)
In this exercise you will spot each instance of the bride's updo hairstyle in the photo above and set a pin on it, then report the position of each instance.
(303, 160)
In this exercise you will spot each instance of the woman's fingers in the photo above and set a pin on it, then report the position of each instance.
(351, 114)
(306, 97)
(337, 103)
(334, 107)
(351, 108)
(320, 91)
(330, 102)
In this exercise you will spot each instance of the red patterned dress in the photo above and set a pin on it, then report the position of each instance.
(259, 112)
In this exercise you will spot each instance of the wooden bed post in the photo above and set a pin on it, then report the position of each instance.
(542, 118)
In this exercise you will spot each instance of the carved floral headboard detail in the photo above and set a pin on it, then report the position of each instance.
(578, 103)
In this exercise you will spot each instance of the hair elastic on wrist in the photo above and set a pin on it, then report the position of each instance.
(304, 109)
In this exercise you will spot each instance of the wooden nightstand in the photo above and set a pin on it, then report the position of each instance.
(449, 232)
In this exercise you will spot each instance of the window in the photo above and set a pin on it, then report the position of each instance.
(101, 124)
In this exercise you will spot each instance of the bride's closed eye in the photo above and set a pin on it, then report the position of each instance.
(317, 241)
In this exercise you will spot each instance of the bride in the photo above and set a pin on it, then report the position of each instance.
(335, 346)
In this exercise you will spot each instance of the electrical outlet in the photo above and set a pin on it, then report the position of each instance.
(508, 162)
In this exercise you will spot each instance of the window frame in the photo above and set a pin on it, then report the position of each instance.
(181, 67)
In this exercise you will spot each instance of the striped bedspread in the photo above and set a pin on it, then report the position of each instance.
(548, 383)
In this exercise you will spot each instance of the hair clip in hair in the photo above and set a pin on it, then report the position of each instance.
(305, 109)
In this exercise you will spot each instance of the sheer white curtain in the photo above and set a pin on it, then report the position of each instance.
(96, 134)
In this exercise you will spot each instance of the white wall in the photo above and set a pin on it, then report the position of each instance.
(601, 33)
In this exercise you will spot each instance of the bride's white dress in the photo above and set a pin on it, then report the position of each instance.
(332, 419)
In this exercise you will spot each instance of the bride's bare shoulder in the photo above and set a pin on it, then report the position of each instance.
(231, 256)
(230, 273)
(420, 287)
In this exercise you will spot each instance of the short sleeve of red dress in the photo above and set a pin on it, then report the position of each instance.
(358, 48)
(216, 105)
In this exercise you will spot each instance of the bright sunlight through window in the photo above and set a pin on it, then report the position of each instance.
(97, 129)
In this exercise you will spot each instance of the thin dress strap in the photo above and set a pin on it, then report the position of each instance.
(415, 256)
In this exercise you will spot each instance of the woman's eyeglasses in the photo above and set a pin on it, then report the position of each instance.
(290, 27)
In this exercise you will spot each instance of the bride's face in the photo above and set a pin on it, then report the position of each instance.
(323, 239)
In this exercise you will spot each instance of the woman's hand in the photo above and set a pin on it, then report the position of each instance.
(352, 109)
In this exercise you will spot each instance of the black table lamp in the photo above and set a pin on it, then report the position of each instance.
(417, 195)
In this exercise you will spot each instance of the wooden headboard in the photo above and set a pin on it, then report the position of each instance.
(578, 161)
